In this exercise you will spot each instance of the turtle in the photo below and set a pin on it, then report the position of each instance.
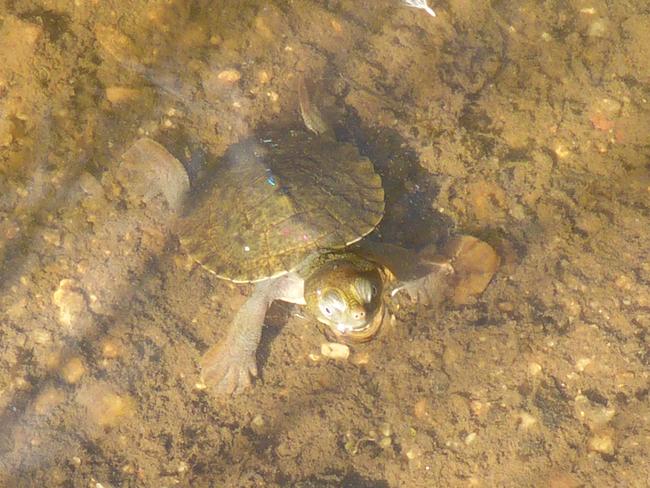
(286, 214)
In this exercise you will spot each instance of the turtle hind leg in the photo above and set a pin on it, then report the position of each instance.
(228, 367)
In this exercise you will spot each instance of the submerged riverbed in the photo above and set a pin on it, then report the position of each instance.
(524, 124)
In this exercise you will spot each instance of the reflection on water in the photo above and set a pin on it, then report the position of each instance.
(523, 124)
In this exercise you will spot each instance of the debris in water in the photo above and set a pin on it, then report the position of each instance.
(420, 4)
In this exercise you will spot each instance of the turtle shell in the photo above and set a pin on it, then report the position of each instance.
(271, 203)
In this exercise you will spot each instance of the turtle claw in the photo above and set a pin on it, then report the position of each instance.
(227, 371)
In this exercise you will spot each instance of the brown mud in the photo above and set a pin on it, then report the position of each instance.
(525, 124)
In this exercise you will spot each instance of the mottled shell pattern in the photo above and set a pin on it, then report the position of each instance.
(270, 204)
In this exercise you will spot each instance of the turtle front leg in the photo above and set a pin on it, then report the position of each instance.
(422, 275)
(228, 367)
(462, 270)
(428, 289)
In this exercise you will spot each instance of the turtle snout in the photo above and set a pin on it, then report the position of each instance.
(359, 315)
(361, 324)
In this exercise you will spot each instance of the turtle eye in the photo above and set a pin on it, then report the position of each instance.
(331, 302)
(365, 289)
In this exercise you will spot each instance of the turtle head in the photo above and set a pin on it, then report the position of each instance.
(346, 295)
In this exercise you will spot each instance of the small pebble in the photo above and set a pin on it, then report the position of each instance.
(506, 307)
(561, 151)
(52, 359)
(121, 94)
(334, 350)
(41, 336)
(229, 76)
(89, 184)
(595, 416)
(73, 370)
(602, 443)
(49, 398)
(257, 424)
(262, 28)
(412, 453)
(110, 348)
(385, 443)
(526, 420)
(582, 363)
(263, 77)
(598, 28)
(624, 283)
(470, 438)
(20, 383)
(360, 358)
(52, 237)
(420, 410)
(534, 368)
(478, 408)
(73, 312)
(350, 445)
(104, 406)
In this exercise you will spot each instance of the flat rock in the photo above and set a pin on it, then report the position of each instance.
(148, 171)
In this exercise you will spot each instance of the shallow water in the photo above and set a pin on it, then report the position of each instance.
(525, 124)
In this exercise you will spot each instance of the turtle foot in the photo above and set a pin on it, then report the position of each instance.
(429, 289)
(227, 370)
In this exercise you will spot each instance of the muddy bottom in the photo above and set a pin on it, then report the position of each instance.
(523, 124)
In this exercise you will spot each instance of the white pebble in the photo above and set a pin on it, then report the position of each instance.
(582, 363)
(534, 368)
(603, 443)
(334, 350)
(526, 420)
(470, 438)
